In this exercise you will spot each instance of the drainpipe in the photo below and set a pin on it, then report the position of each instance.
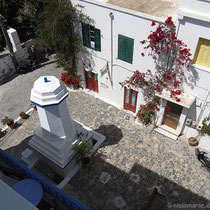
(111, 18)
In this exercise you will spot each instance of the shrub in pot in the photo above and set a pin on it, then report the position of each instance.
(83, 149)
(146, 112)
(23, 115)
(9, 122)
(205, 130)
(33, 106)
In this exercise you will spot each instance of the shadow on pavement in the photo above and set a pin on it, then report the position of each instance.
(112, 132)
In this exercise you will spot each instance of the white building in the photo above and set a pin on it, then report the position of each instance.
(113, 49)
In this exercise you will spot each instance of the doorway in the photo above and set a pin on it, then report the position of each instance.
(130, 99)
(172, 114)
(91, 81)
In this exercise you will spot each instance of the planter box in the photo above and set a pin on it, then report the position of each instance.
(138, 122)
(205, 142)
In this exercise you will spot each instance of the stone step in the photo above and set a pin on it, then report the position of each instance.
(166, 133)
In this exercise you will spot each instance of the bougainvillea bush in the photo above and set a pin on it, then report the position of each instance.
(146, 112)
(171, 57)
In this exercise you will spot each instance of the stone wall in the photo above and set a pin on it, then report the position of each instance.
(6, 64)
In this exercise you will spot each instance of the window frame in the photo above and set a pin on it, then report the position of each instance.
(123, 44)
(197, 51)
(91, 37)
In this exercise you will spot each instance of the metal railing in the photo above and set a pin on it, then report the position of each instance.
(47, 186)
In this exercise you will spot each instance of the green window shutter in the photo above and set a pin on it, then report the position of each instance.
(86, 35)
(129, 50)
(121, 47)
(125, 48)
(97, 36)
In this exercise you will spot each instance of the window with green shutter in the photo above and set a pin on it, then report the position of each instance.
(91, 37)
(125, 48)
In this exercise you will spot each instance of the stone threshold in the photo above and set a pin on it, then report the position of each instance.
(167, 131)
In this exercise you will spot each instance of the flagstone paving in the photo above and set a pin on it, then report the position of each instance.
(136, 159)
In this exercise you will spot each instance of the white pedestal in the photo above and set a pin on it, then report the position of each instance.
(57, 134)
(53, 147)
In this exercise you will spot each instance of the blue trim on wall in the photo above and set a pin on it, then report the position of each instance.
(47, 186)
(49, 104)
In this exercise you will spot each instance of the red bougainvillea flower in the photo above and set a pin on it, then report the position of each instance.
(153, 23)
(157, 108)
(168, 108)
(162, 43)
(178, 92)
(169, 21)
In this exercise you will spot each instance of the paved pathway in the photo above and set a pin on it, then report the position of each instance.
(15, 94)
(137, 158)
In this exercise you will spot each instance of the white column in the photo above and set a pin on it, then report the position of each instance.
(57, 133)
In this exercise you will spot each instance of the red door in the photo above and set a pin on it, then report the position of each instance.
(91, 81)
(130, 99)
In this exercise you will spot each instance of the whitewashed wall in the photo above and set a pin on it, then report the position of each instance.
(128, 23)
(189, 30)
(195, 6)
(6, 63)
(137, 26)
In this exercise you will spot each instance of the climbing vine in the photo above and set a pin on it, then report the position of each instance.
(171, 57)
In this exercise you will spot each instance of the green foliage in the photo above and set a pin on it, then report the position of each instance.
(84, 147)
(58, 31)
(145, 112)
(22, 15)
(29, 17)
(206, 126)
(7, 121)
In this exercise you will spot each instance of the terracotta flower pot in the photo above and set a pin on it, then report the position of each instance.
(147, 121)
(12, 126)
(86, 161)
(193, 141)
(24, 116)
(75, 86)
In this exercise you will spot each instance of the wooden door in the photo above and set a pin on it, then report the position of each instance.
(91, 81)
(172, 114)
(95, 80)
(130, 99)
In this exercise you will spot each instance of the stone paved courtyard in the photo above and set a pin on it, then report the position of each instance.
(137, 158)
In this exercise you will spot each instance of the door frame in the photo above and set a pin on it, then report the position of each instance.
(91, 83)
(129, 106)
(160, 115)
(171, 124)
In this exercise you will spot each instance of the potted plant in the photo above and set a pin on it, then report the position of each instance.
(9, 122)
(204, 141)
(23, 115)
(71, 79)
(83, 149)
(146, 112)
(205, 130)
(33, 106)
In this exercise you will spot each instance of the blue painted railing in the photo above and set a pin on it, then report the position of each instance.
(47, 186)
